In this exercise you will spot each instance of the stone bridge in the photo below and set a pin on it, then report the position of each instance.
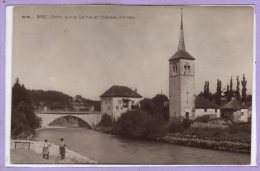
(92, 118)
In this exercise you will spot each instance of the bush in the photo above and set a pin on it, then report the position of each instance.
(176, 125)
(139, 124)
(106, 120)
(203, 119)
(240, 127)
(187, 123)
(202, 132)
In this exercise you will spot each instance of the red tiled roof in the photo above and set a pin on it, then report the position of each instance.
(202, 103)
(120, 91)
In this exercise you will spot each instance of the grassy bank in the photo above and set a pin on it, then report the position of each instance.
(217, 133)
(208, 142)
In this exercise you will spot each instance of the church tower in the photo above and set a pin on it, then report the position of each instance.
(181, 81)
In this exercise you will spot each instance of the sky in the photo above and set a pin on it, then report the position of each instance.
(78, 50)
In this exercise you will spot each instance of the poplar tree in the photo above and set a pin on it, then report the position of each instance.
(219, 92)
(244, 83)
(238, 89)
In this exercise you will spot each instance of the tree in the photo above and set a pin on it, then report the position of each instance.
(227, 94)
(218, 93)
(139, 124)
(238, 89)
(231, 87)
(23, 119)
(244, 83)
(156, 106)
(206, 90)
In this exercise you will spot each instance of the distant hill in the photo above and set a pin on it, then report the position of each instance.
(48, 97)
(56, 99)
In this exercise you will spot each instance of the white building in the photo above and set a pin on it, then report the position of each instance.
(117, 100)
(205, 107)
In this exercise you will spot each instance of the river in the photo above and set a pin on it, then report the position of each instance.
(109, 149)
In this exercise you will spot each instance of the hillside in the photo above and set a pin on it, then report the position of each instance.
(56, 100)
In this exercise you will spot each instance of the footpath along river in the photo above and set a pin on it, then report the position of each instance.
(109, 149)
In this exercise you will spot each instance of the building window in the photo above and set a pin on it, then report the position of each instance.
(116, 107)
(125, 103)
(216, 110)
(242, 114)
(205, 109)
(119, 101)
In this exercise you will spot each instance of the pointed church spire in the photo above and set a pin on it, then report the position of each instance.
(181, 40)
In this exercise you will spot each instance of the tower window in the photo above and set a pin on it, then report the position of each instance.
(186, 69)
(174, 68)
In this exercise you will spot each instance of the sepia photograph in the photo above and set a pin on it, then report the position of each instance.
(132, 85)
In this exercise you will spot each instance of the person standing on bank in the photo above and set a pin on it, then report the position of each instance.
(62, 148)
(45, 150)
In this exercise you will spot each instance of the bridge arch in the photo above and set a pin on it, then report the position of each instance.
(91, 119)
(69, 120)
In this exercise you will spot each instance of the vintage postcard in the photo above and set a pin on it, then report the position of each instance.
(131, 85)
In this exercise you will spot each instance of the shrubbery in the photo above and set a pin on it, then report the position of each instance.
(240, 127)
(139, 124)
(106, 120)
(178, 125)
(203, 119)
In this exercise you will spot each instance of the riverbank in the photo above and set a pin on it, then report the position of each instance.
(215, 143)
(30, 152)
(208, 142)
(23, 156)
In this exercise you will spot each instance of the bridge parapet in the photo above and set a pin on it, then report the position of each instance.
(67, 112)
